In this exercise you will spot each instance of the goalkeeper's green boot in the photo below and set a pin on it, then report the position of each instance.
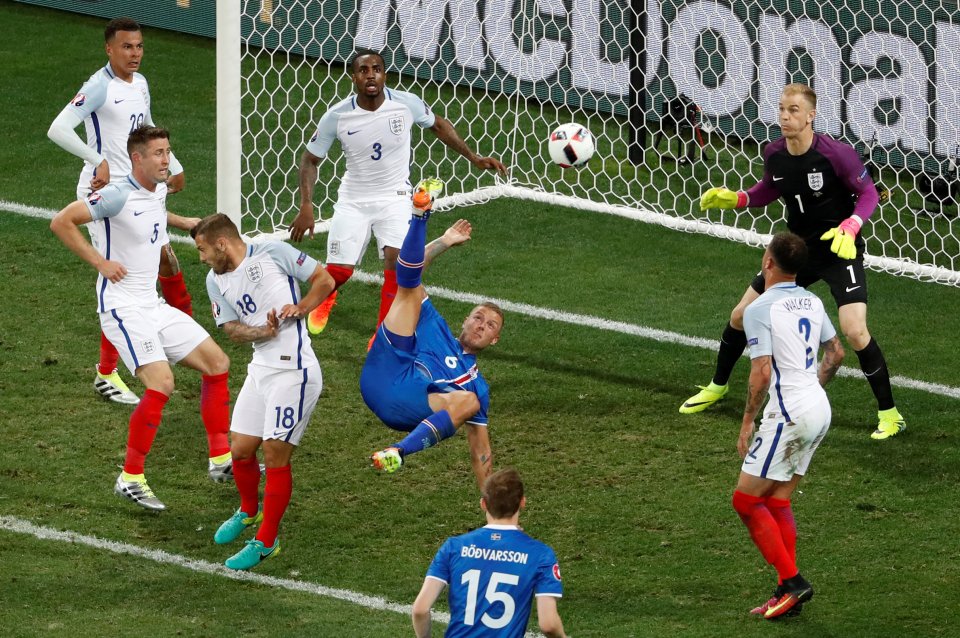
(891, 424)
(702, 400)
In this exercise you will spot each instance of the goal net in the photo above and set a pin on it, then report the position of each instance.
(694, 86)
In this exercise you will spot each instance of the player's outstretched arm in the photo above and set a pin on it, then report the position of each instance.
(481, 456)
(304, 222)
(446, 133)
(548, 618)
(458, 233)
(66, 226)
(421, 606)
(724, 198)
(832, 358)
(182, 223)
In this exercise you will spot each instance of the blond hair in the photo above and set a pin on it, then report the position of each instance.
(804, 90)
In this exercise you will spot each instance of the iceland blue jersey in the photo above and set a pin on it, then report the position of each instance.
(442, 359)
(493, 574)
(395, 382)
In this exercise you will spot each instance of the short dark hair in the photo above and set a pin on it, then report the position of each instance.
(502, 493)
(359, 53)
(789, 252)
(143, 135)
(119, 24)
(215, 226)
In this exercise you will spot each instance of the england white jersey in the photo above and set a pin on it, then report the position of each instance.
(266, 280)
(788, 323)
(110, 109)
(129, 227)
(376, 144)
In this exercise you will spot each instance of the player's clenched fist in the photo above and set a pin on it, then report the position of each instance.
(720, 197)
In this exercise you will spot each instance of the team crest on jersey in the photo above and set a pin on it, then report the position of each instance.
(815, 180)
(556, 571)
(254, 273)
(148, 346)
(396, 124)
(79, 99)
(334, 248)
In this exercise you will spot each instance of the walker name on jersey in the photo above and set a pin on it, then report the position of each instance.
(798, 303)
(501, 555)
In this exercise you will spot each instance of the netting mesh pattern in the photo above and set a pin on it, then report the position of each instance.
(506, 72)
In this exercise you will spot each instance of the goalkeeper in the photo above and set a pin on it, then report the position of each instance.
(829, 195)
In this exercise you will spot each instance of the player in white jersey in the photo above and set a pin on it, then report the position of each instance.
(110, 105)
(374, 129)
(785, 327)
(256, 299)
(129, 227)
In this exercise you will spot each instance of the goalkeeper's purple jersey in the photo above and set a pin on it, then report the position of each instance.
(820, 188)
(493, 574)
(441, 358)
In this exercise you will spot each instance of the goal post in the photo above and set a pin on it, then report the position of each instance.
(506, 72)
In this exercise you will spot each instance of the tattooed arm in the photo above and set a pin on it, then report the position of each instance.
(757, 387)
(241, 333)
(832, 358)
(457, 234)
(481, 456)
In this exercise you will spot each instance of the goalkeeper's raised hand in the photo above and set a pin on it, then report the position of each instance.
(720, 197)
(844, 237)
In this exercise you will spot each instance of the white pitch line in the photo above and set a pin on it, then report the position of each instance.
(654, 334)
(21, 526)
(14, 524)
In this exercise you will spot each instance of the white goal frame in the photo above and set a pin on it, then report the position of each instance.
(753, 62)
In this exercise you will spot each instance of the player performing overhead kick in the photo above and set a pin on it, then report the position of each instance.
(418, 377)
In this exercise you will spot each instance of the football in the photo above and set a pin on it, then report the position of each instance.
(570, 145)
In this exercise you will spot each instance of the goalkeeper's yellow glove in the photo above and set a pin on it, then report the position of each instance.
(844, 237)
(720, 197)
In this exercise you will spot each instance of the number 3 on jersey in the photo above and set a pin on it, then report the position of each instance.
(472, 579)
(377, 151)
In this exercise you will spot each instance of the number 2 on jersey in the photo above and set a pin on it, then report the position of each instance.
(804, 327)
(472, 579)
